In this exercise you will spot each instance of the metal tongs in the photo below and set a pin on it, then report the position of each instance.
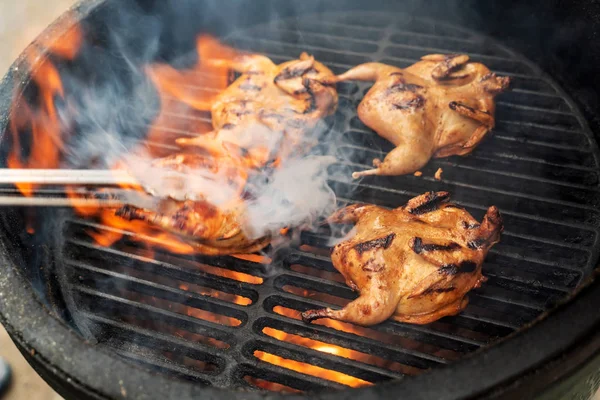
(71, 177)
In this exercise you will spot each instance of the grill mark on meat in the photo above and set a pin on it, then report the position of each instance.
(373, 266)
(384, 243)
(477, 243)
(454, 76)
(405, 87)
(464, 267)
(455, 104)
(249, 87)
(438, 290)
(254, 72)
(467, 225)
(239, 113)
(418, 246)
(228, 126)
(129, 213)
(277, 117)
(295, 123)
(312, 105)
(446, 67)
(411, 104)
(431, 203)
(289, 73)
(327, 84)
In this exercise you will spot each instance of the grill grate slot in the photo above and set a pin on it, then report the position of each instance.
(225, 321)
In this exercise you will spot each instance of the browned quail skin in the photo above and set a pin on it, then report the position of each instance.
(266, 112)
(441, 106)
(415, 263)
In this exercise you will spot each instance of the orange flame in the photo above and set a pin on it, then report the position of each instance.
(41, 121)
(199, 86)
(186, 97)
(268, 385)
(343, 352)
(312, 370)
(185, 92)
(244, 301)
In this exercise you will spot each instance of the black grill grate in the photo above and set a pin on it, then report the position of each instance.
(178, 314)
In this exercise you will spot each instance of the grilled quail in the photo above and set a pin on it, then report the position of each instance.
(267, 111)
(438, 107)
(415, 263)
(212, 225)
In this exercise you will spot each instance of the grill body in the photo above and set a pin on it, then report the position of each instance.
(540, 167)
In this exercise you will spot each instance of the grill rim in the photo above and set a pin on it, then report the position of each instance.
(44, 339)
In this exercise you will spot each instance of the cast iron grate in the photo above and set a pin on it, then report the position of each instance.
(216, 320)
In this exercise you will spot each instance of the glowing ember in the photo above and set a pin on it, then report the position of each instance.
(257, 258)
(375, 335)
(316, 295)
(315, 250)
(268, 385)
(338, 351)
(312, 370)
(179, 309)
(217, 294)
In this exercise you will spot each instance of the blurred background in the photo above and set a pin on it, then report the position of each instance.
(20, 22)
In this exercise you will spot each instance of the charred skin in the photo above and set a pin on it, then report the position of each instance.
(199, 224)
(211, 230)
(259, 118)
(441, 106)
(414, 264)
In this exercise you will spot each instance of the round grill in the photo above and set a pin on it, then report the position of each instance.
(231, 323)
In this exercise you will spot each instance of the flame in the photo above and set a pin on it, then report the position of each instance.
(38, 126)
(312, 370)
(268, 385)
(315, 344)
(338, 350)
(257, 258)
(243, 301)
(186, 97)
(200, 85)
(185, 92)
(137, 231)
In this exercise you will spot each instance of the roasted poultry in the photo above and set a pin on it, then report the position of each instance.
(415, 263)
(212, 226)
(260, 119)
(441, 106)
(266, 113)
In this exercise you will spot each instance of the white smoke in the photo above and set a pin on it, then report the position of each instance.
(110, 114)
(296, 194)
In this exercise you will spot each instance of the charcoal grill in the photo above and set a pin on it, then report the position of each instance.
(123, 322)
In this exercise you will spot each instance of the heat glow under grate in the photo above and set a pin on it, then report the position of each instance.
(224, 322)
